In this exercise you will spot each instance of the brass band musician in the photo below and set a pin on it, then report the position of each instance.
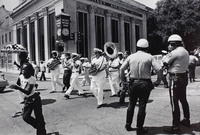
(98, 78)
(54, 65)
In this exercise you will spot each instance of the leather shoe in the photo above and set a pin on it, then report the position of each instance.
(185, 123)
(128, 127)
(53, 92)
(99, 106)
(66, 96)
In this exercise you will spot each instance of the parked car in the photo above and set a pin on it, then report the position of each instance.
(3, 83)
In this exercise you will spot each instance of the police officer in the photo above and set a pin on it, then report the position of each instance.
(177, 61)
(140, 85)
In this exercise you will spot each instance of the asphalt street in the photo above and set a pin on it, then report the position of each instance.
(79, 115)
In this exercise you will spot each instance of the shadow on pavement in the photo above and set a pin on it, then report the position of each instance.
(116, 105)
(193, 130)
(6, 91)
(48, 101)
(41, 89)
(53, 133)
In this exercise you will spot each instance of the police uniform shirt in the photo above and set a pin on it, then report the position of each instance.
(25, 84)
(178, 60)
(140, 64)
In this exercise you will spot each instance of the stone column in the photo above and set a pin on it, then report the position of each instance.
(46, 33)
(14, 42)
(28, 37)
(92, 32)
(21, 34)
(36, 39)
(108, 26)
(122, 33)
(15, 34)
(133, 36)
(144, 27)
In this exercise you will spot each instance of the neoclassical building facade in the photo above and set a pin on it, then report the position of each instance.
(120, 21)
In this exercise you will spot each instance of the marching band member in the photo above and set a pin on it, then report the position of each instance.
(76, 68)
(86, 65)
(98, 78)
(113, 68)
(54, 65)
(67, 66)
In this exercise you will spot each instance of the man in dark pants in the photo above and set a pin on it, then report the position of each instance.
(67, 66)
(26, 84)
(43, 70)
(140, 65)
(177, 62)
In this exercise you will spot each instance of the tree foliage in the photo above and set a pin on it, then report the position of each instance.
(174, 17)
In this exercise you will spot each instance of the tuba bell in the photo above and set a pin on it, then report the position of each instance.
(110, 49)
(60, 46)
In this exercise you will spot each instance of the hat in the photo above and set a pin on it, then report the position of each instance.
(82, 58)
(97, 50)
(142, 43)
(164, 51)
(74, 54)
(120, 53)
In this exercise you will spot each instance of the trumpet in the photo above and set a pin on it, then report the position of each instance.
(110, 49)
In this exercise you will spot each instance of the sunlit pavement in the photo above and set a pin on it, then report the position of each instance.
(79, 115)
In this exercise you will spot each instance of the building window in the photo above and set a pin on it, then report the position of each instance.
(19, 36)
(2, 39)
(99, 29)
(32, 41)
(24, 36)
(52, 34)
(10, 37)
(127, 36)
(6, 38)
(41, 38)
(114, 30)
(82, 28)
(137, 32)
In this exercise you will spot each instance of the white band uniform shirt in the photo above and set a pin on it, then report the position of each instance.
(193, 59)
(74, 78)
(55, 72)
(98, 80)
(113, 77)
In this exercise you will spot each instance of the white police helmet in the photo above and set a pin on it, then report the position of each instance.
(142, 43)
(174, 38)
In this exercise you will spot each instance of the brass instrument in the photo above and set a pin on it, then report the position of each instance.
(60, 46)
(110, 49)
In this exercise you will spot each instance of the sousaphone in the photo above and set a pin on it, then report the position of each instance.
(110, 49)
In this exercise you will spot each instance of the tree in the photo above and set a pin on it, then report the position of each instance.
(175, 17)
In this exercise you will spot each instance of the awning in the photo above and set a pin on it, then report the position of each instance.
(13, 48)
